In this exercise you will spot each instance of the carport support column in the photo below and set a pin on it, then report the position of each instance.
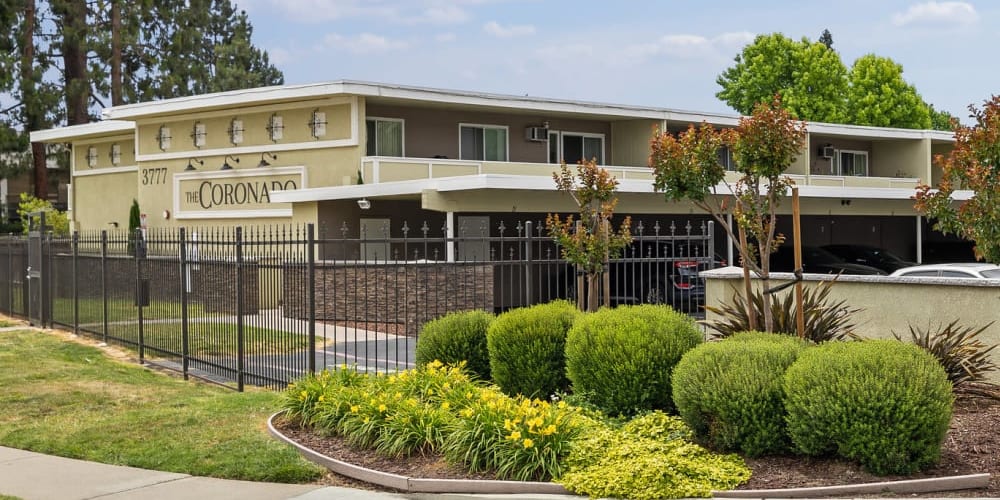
(449, 224)
(920, 240)
(729, 242)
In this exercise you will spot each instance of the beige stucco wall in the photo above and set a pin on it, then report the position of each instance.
(630, 142)
(893, 304)
(901, 159)
(101, 199)
(103, 148)
(943, 150)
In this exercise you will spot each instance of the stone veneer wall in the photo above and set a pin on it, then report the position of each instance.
(409, 294)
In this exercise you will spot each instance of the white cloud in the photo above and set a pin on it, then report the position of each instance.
(445, 37)
(941, 13)
(365, 43)
(279, 56)
(409, 12)
(497, 30)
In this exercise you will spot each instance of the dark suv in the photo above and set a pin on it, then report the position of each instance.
(817, 260)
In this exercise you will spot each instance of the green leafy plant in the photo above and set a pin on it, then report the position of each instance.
(648, 458)
(956, 347)
(883, 403)
(526, 348)
(621, 358)
(134, 221)
(825, 319)
(730, 393)
(55, 221)
(459, 336)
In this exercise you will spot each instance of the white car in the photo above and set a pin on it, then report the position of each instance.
(973, 270)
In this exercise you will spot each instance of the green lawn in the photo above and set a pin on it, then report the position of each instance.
(70, 400)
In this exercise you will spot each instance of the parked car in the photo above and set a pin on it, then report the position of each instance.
(817, 260)
(973, 270)
(869, 256)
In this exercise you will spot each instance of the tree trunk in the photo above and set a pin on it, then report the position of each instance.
(116, 54)
(33, 114)
(593, 291)
(74, 21)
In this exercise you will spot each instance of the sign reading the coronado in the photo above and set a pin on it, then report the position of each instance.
(234, 192)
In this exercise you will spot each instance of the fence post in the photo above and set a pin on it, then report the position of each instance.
(10, 275)
(139, 250)
(76, 283)
(528, 264)
(311, 293)
(241, 348)
(184, 303)
(104, 283)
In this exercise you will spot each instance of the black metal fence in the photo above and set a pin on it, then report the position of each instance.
(265, 305)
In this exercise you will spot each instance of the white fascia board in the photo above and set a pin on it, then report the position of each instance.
(869, 193)
(84, 131)
(877, 132)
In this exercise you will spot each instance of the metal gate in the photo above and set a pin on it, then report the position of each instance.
(37, 312)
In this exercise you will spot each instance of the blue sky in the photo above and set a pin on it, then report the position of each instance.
(655, 53)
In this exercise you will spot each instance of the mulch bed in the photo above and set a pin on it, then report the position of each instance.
(972, 446)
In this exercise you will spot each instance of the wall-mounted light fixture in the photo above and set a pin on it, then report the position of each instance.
(364, 204)
(225, 163)
(198, 134)
(191, 161)
(236, 131)
(317, 124)
(91, 157)
(116, 154)
(263, 162)
(163, 137)
(275, 127)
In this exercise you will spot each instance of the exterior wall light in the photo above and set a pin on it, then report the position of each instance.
(190, 167)
(364, 204)
(317, 124)
(116, 154)
(91, 157)
(225, 163)
(163, 137)
(198, 134)
(263, 162)
(236, 131)
(275, 127)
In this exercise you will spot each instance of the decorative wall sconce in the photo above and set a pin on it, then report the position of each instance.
(198, 134)
(364, 204)
(163, 137)
(116, 154)
(275, 127)
(317, 124)
(225, 163)
(91, 157)
(191, 163)
(236, 131)
(264, 163)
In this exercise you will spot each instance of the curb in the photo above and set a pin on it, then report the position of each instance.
(417, 485)
(906, 486)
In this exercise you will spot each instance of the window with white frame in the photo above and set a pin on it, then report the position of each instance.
(572, 147)
(482, 142)
(726, 158)
(385, 137)
(850, 163)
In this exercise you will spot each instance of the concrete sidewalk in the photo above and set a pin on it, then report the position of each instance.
(33, 476)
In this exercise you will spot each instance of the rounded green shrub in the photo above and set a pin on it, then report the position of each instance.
(456, 337)
(883, 403)
(730, 392)
(526, 348)
(620, 359)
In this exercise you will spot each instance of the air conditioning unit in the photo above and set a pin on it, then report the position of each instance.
(538, 134)
(826, 151)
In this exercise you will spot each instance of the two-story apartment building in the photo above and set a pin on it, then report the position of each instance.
(377, 155)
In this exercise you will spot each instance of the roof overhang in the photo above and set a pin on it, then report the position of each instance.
(542, 183)
(85, 131)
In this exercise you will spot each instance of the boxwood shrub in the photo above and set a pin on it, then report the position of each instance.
(883, 403)
(455, 337)
(620, 359)
(730, 392)
(526, 348)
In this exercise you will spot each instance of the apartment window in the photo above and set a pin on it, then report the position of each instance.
(726, 158)
(385, 137)
(482, 142)
(572, 147)
(852, 163)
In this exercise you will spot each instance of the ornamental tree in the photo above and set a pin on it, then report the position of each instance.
(973, 164)
(589, 242)
(878, 96)
(764, 145)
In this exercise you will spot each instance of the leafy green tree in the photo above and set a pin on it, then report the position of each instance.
(809, 77)
(941, 120)
(973, 164)
(878, 96)
(764, 145)
(55, 220)
(826, 39)
(589, 241)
